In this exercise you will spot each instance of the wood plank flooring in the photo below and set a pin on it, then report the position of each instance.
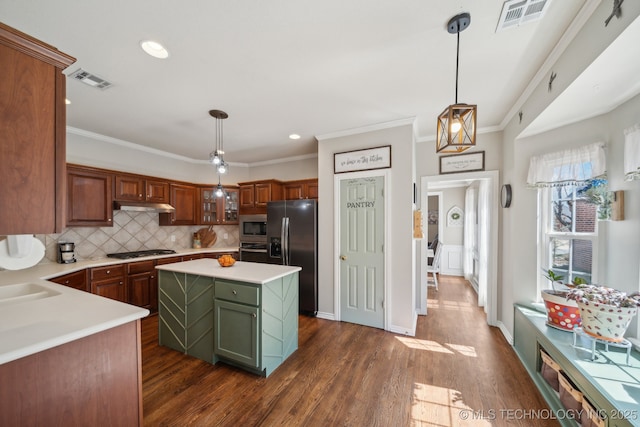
(456, 371)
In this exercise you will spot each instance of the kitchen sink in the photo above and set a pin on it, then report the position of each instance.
(14, 294)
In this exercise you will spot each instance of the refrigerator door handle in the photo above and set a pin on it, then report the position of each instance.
(286, 253)
(283, 245)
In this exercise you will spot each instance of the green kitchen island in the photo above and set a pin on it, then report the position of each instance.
(245, 315)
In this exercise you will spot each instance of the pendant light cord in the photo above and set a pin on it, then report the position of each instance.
(457, 59)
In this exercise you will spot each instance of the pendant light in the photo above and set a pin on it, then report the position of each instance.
(216, 157)
(219, 189)
(457, 123)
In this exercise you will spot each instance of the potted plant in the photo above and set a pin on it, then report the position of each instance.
(606, 312)
(562, 314)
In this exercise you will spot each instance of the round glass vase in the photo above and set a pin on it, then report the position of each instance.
(605, 322)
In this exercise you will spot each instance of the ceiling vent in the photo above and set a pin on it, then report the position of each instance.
(90, 79)
(518, 12)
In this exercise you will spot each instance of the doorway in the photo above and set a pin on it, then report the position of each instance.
(490, 180)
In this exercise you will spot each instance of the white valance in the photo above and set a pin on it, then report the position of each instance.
(568, 167)
(632, 153)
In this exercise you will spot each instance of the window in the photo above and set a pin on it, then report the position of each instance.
(569, 233)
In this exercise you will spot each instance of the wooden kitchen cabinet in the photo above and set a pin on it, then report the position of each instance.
(184, 199)
(142, 284)
(109, 282)
(32, 134)
(218, 210)
(301, 189)
(141, 189)
(76, 280)
(89, 197)
(255, 195)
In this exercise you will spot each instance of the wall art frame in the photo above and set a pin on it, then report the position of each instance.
(360, 160)
(467, 162)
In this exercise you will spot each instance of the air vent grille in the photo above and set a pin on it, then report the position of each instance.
(518, 12)
(90, 79)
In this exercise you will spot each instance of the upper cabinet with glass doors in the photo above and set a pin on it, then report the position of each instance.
(218, 210)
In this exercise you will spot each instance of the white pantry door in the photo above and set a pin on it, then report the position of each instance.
(362, 251)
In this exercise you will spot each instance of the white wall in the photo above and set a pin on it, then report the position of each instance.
(399, 249)
(452, 197)
(293, 169)
(518, 275)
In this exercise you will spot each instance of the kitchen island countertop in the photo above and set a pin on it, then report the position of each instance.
(65, 314)
(249, 272)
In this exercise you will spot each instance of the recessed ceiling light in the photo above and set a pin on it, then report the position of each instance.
(154, 49)
(294, 136)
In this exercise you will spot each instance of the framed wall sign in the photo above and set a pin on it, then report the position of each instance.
(456, 163)
(360, 160)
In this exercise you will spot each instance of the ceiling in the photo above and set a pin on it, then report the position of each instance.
(280, 67)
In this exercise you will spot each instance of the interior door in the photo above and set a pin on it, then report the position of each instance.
(361, 251)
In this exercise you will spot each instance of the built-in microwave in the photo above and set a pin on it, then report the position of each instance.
(253, 228)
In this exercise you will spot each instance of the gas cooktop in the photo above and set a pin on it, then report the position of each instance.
(137, 254)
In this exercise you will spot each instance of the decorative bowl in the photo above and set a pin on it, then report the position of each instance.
(226, 260)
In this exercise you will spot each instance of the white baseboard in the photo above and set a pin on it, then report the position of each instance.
(404, 331)
(323, 315)
(505, 332)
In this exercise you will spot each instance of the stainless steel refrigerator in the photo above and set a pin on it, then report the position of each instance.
(292, 239)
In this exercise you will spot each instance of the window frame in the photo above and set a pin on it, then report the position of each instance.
(546, 234)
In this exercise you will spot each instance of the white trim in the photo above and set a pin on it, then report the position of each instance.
(365, 129)
(386, 175)
(144, 148)
(505, 332)
(404, 331)
(491, 308)
(325, 315)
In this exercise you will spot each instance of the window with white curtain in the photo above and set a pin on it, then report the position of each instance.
(567, 183)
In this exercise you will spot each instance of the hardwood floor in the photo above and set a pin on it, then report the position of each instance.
(452, 373)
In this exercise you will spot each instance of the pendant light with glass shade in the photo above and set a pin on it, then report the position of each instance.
(457, 123)
(216, 157)
(219, 189)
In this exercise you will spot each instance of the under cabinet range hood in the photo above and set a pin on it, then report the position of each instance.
(143, 206)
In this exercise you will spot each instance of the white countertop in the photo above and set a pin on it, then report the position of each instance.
(66, 314)
(250, 272)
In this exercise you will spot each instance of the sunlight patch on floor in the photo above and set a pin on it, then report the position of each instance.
(450, 305)
(428, 345)
(465, 350)
(439, 406)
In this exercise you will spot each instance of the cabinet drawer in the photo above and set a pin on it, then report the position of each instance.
(140, 267)
(236, 292)
(77, 280)
(109, 272)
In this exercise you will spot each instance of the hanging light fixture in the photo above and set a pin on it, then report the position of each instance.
(457, 123)
(216, 157)
(219, 189)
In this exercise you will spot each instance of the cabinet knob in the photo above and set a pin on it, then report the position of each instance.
(140, 196)
(66, 282)
(108, 271)
(234, 292)
(254, 315)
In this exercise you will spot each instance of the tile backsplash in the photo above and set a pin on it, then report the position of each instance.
(131, 231)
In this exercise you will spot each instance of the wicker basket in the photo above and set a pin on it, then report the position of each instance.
(550, 370)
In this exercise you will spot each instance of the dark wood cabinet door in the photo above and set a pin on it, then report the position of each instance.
(140, 290)
(129, 187)
(247, 196)
(263, 195)
(114, 289)
(185, 199)
(157, 191)
(89, 197)
(32, 135)
(293, 191)
(76, 280)
(312, 189)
